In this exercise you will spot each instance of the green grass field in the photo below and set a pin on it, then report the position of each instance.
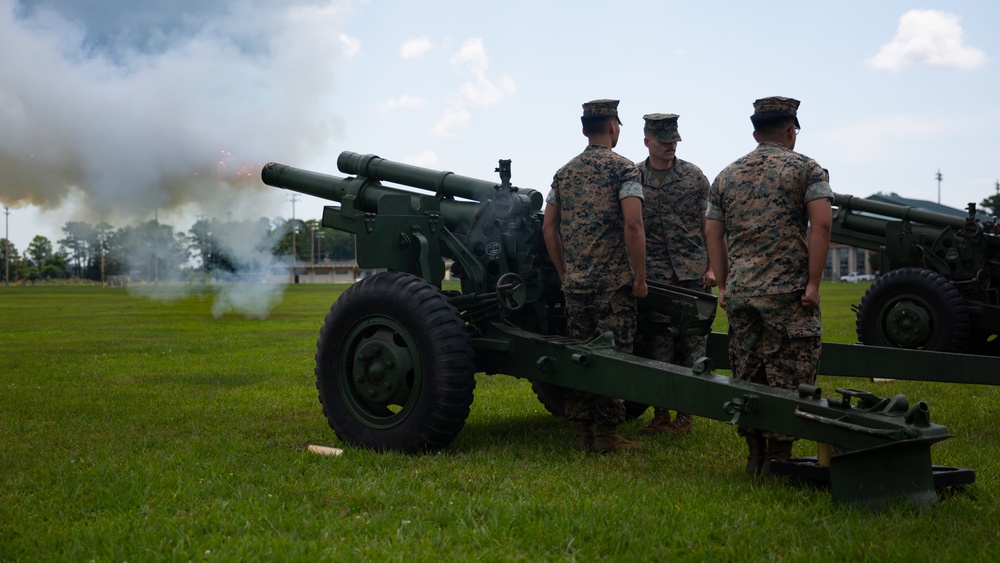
(134, 429)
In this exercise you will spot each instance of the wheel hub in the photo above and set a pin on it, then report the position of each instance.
(381, 368)
(909, 325)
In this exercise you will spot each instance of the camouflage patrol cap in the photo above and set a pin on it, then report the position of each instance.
(662, 127)
(777, 104)
(601, 108)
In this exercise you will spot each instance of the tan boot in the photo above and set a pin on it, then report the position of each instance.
(776, 450)
(681, 424)
(660, 422)
(607, 440)
(584, 436)
(755, 459)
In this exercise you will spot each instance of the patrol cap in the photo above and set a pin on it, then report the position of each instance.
(601, 108)
(662, 127)
(777, 104)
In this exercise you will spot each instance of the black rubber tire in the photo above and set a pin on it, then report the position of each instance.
(553, 398)
(394, 365)
(913, 308)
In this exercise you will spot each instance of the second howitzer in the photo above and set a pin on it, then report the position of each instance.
(397, 356)
(940, 283)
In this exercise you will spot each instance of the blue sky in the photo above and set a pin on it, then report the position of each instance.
(117, 110)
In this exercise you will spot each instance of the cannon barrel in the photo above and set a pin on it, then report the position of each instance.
(457, 215)
(876, 226)
(440, 182)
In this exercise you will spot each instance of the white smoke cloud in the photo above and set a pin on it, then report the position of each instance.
(928, 38)
(119, 109)
(138, 129)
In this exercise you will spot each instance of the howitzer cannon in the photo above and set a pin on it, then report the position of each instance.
(940, 283)
(397, 356)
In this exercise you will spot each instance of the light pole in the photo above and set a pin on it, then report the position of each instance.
(312, 240)
(6, 246)
(939, 185)
(295, 230)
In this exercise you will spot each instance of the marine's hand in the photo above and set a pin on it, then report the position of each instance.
(639, 288)
(722, 297)
(810, 297)
(708, 279)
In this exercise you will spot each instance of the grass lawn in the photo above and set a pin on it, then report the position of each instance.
(138, 429)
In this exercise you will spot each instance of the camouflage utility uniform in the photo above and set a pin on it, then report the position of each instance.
(598, 279)
(761, 198)
(674, 201)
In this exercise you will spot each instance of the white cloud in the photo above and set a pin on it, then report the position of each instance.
(472, 53)
(351, 46)
(405, 101)
(480, 91)
(928, 38)
(454, 118)
(427, 159)
(414, 48)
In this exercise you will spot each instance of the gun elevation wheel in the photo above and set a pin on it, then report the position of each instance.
(913, 308)
(394, 365)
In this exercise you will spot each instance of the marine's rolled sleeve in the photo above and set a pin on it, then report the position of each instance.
(819, 190)
(817, 182)
(714, 209)
(630, 189)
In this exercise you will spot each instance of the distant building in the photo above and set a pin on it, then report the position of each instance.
(330, 271)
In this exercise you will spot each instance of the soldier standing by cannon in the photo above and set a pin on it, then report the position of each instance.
(758, 213)
(675, 195)
(593, 233)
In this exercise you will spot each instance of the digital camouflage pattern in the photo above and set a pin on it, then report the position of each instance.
(662, 127)
(601, 108)
(776, 104)
(589, 316)
(588, 191)
(671, 214)
(775, 341)
(761, 198)
(675, 253)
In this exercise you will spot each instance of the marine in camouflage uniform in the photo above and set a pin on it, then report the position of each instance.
(593, 233)
(675, 195)
(772, 209)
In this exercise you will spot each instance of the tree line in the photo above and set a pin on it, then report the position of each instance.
(155, 251)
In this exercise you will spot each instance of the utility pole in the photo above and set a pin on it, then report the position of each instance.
(6, 246)
(939, 185)
(295, 230)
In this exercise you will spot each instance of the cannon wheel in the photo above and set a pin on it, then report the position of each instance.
(394, 365)
(914, 308)
(553, 398)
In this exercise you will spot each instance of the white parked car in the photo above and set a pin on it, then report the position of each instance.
(856, 277)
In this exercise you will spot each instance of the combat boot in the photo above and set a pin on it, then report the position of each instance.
(681, 424)
(755, 459)
(660, 422)
(584, 436)
(776, 450)
(607, 440)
